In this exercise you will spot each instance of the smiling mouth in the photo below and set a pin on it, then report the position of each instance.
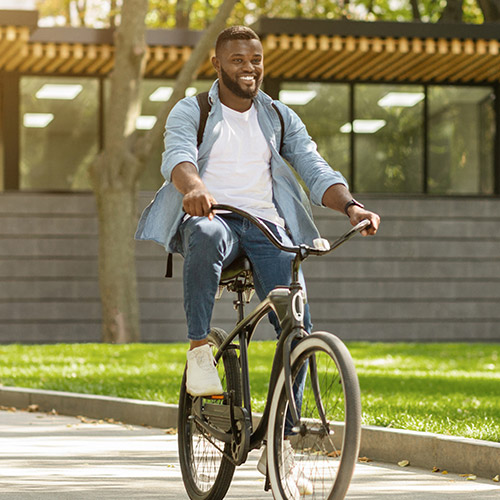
(248, 78)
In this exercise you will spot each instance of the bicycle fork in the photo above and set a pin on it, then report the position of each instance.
(297, 298)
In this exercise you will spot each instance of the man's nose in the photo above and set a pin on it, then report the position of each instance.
(248, 66)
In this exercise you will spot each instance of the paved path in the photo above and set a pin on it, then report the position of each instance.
(54, 457)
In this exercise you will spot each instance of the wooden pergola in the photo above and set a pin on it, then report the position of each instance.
(299, 50)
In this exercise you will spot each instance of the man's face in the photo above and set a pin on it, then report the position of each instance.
(240, 67)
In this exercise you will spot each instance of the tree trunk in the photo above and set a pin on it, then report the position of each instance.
(452, 13)
(182, 10)
(490, 9)
(112, 14)
(114, 175)
(415, 11)
(117, 274)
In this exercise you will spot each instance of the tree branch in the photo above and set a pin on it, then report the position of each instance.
(188, 73)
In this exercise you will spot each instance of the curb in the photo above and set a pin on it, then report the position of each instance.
(421, 449)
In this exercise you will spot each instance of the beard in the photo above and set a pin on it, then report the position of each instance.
(234, 87)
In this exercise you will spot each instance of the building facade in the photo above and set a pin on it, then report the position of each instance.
(408, 112)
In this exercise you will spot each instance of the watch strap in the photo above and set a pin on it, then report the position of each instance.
(350, 204)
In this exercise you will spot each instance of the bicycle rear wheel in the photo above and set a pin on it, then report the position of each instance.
(318, 461)
(206, 471)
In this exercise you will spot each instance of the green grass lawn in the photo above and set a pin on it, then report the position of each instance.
(445, 388)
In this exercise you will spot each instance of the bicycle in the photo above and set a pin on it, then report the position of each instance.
(215, 434)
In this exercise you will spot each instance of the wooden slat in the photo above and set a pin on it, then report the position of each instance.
(492, 75)
(346, 61)
(77, 53)
(475, 66)
(348, 71)
(333, 54)
(90, 54)
(49, 53)
(207, 67)
(155, 56)
(385, 70)
(419, 71)
(348, 54)
(462, 61)
(436, 66)
(107, 66)
(8, 35)
(16, 39)
(404, 67)
(305, 63)
(64, 53)
(172, 55)
(17, 59)
(274, 69)
(287, 62)
(104, 56)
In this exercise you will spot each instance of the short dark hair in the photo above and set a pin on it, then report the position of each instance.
(235, 33)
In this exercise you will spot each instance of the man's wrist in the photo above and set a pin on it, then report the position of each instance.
(352, 203)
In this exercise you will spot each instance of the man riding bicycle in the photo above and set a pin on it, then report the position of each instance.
(240, 162)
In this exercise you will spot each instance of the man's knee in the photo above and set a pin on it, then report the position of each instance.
(204, 236)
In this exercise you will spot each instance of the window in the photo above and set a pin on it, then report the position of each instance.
(388, 141)
(59, 132)
(324, 108)
(461, 140)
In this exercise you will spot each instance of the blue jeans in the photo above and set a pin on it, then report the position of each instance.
(211, 245)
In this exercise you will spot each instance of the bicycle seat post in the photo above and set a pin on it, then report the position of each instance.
(239, 304)
(237, 277)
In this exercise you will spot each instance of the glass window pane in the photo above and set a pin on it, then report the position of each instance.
(461, 137)
(388, 138)
(323, 107)
(59, 132)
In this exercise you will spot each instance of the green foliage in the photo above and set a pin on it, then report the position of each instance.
(443, 388)
(196, 14)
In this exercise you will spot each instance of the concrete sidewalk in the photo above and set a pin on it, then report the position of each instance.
(46, 456)
(422, 449)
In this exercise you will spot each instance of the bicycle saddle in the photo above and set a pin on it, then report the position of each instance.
(239, 267)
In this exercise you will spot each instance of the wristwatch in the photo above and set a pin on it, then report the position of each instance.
(350, 204)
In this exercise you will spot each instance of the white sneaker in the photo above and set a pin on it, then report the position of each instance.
(202, 378)
(297, 483)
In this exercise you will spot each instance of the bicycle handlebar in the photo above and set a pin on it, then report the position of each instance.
(294, 249)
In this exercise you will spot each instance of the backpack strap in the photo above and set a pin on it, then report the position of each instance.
(204, 104)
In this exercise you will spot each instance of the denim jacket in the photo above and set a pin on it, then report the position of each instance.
(161, 218)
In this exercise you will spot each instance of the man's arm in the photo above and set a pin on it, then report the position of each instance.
(197, 199)
(337, 196)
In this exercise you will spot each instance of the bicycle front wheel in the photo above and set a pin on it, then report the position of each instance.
(316, 461)
(206, 470)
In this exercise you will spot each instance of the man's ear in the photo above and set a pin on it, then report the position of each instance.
(216, 64)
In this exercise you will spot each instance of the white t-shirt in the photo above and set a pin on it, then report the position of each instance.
(238, 170)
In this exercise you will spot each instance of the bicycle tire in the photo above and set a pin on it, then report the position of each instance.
(206, 472)
(319, 467)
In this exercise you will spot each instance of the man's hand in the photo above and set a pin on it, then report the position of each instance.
(197, 199)
(357, 214)
(199, 202)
